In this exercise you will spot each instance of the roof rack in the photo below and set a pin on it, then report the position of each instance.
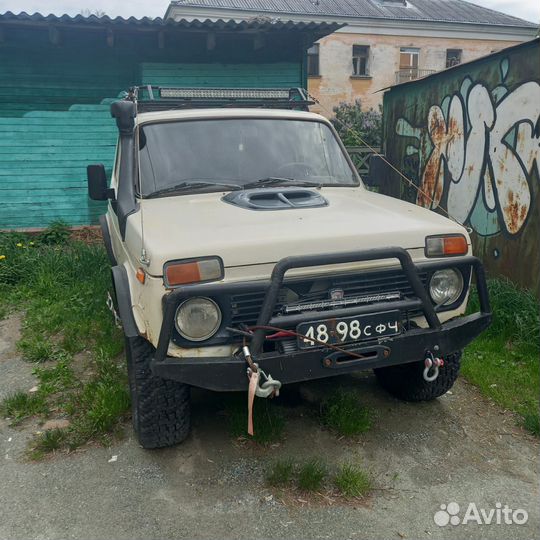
(160, 98)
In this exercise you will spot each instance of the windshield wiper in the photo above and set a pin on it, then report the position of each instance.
(185, 186)
(276, 180)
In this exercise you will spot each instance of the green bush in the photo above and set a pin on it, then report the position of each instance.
(515, 313)
(351, 120)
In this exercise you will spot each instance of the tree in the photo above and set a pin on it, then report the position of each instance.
(367, 124)
(96, 12)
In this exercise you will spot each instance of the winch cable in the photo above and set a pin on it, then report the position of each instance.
(359, 138)
(254, 373)
(292, 333)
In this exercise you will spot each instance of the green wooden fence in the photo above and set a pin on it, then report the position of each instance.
(55, 120)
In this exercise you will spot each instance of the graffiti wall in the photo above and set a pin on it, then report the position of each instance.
(469, 140)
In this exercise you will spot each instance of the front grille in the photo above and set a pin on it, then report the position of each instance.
(246, 307)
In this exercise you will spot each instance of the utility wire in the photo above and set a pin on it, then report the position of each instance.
(395, 169)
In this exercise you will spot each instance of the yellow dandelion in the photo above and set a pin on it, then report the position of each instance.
(19, 245)
(2, 257)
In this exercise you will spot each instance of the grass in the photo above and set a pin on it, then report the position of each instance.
(503, 361)
(342, 412)
(20, 405)
(311, 475)
(268, 419)
(60, 284)
(352, 481)
(281, 473)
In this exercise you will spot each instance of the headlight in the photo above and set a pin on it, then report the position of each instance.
(445, 286)
(198, 319)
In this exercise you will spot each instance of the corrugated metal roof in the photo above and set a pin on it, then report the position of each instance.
(261, 23)
(456, 11)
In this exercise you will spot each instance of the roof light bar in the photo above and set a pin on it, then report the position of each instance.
(224, 93)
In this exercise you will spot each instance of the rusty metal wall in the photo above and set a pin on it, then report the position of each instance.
(469, 139)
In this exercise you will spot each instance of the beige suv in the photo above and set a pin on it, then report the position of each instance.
(241, 236)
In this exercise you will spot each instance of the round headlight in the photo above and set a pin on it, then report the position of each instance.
(198, 319)
(445, 286)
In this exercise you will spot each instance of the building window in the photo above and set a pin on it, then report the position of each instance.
(453, 57)
(408, 58)
(313, 61)
(360, 58)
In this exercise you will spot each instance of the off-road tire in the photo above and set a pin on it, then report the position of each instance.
(406, 381)
(161, 408)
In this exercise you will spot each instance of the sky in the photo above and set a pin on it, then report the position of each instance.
(526, 9)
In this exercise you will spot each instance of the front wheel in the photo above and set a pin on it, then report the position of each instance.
(407, 382)
(161, 408)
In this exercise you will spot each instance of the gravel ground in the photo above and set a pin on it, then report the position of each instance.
(458, 449)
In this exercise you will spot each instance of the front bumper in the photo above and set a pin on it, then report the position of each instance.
(229, 373)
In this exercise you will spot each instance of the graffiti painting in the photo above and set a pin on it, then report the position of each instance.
(478, 151)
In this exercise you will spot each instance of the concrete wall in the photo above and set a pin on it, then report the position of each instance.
(469, 140)
(336, 85)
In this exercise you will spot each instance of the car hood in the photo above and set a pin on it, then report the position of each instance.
(191, 226)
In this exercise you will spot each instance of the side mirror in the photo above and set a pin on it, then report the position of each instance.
(97, 183)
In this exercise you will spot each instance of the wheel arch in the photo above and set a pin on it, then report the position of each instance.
(107, 239)
(123, 298)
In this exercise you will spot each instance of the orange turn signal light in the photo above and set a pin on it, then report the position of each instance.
(446, 246)
(141, 275)
(177, 273)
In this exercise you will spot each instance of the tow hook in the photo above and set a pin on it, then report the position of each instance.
(269, 388)
(432, 365)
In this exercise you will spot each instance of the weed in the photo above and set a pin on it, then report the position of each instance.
(268, 420)
(342, 412)
(280, 473)
(20, 405)
(50, 440)
(505, 357)
(516, 316)
(37, 349)
(61, 285)
(57, 378)
(352, 481)
(531, 422)
(56, 233)
(311, 475)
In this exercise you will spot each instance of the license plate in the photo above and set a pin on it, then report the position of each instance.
(349, 329)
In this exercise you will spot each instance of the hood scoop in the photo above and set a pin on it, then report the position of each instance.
(278, 198)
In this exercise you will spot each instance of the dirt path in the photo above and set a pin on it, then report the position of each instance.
(459, 449)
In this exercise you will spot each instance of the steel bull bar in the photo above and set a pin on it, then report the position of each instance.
(229, 373)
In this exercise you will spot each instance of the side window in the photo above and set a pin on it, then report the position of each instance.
(313, 61)
(360, 60)
(453, 57)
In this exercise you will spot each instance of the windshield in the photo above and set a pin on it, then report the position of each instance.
(236, 152)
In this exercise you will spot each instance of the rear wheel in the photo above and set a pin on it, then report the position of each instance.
(407, 382)
(161, 408)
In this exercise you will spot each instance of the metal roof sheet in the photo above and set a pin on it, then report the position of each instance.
(262, 23)
(456, 11)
